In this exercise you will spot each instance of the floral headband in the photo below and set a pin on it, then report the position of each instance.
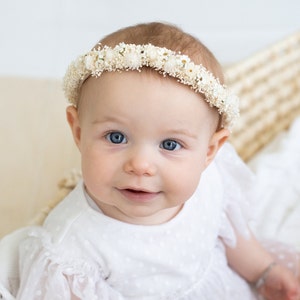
(167, 62)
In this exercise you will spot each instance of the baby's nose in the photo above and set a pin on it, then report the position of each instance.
(140, 163)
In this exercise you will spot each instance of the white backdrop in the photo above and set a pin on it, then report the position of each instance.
(38, 38)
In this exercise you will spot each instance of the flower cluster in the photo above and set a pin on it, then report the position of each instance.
(167, 62)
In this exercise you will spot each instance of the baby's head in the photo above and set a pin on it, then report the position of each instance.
(146, 119)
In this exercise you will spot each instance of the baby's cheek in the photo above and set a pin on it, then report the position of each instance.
(186, 185)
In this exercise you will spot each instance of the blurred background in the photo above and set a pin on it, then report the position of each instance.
(38, 38)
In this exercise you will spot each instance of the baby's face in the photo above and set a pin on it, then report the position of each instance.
(144, 142)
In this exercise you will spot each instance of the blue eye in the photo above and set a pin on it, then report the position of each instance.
(116, 137)
(170, 145)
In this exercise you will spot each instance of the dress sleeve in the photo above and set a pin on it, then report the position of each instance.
(48, 273)
(239, 194)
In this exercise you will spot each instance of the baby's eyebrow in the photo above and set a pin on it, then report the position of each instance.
(106, 119)
(183, 131)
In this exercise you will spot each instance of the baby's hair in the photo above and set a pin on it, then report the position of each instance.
(168, 36)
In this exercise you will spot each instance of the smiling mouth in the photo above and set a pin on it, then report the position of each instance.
(138, 195)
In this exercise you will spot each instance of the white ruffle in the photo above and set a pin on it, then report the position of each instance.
(56, 278)
(239, 194)
(50, 275)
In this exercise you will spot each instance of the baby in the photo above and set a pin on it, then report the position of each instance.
(158, 213)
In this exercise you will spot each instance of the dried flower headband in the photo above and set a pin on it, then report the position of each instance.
(134, 57)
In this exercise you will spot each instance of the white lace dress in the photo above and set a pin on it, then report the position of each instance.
(82, 254)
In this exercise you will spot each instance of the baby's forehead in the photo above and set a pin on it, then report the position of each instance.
(146, 83)
(110, 81)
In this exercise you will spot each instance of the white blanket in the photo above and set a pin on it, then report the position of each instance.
(278, 174)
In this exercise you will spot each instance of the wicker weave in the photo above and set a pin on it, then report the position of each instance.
(268, 84)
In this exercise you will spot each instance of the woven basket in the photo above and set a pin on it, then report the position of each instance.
(268, 84)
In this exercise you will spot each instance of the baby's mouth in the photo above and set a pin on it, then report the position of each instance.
(137, 191)
(137, 195)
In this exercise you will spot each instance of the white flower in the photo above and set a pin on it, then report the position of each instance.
(109, 54)
(184, 59)
(170, 65)
(190, 72)
(132, 60)
(151, 53)
(89, 61)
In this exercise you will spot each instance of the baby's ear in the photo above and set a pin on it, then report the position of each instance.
(216, 142)
(73, 120)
